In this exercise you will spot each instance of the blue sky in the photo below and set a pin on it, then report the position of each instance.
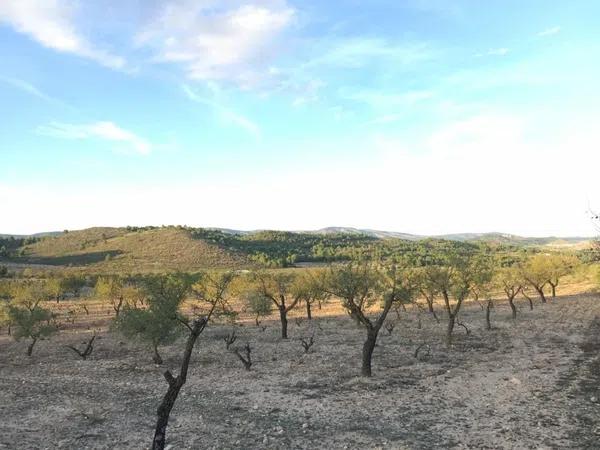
(423, 116)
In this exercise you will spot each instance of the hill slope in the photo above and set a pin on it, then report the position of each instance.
(126, 250)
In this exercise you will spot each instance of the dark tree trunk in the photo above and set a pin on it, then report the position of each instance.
(430, 305)
(450, 329)
(553, 286)
(30, 347)
(117, 306)
(256, 321)
(367, 353)
(431, 309)
(308, 311)
(175, 385)
(284, 322)
(529, 300)
(488, 310)
(513, 308)
(156, 357)
(540, 291)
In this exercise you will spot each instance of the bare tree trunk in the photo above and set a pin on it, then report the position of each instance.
(284, 322)
(308, 311)
(367, 353)
(529, 300)
(30, 347)
(117, 306)
(431, 309)
(513, 308)
(450, 329)
(488, 310)
(156, 357)
(540, 291)
(553, 286)
(175, 385)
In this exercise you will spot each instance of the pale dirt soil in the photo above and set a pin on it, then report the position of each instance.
(530, 384)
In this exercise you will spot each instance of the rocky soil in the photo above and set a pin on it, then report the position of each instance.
(533, 383)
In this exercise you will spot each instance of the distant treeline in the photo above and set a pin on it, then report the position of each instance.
(283, 249)
(10, 245)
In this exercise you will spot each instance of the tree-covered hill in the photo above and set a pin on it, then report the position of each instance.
(143, 249)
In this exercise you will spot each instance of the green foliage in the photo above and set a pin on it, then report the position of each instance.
(212, 290)
(35, 323)
(357, 285)
(25, 315)
(258, 304)
(158, 323)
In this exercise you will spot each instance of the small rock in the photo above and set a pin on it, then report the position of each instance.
(265, 440)
(593, 399)
(514, 380)
(305, 425)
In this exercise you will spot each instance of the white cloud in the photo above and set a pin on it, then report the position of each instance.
(51, 23)
(502, 51)
(381, 99)
(214, 43)
(360, 52)
(549, 31)
(28, 88)
(98, 130)
(225, 113)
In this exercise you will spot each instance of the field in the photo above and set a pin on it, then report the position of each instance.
(533, 383)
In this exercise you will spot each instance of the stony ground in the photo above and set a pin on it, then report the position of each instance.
(534, 383)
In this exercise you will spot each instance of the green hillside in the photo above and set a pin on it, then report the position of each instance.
(130, 250)
(143, 249)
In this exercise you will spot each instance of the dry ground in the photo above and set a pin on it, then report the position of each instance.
(529, 384)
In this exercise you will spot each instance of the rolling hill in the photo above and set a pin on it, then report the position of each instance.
(130, 250)
(148, 249)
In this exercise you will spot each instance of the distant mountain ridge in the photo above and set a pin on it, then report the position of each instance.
(461, 237)
(506, 238)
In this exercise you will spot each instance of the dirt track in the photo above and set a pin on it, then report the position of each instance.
(531, 384)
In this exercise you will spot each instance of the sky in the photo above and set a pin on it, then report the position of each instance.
(417, 116)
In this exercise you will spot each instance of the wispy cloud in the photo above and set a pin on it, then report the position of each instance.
(382, 98)
(107, 131)
(502, 51)
(549, 31)
(225, 113)
(216, 43)
(51, 23)
(359, 52)
(385, 119)
(30, 89)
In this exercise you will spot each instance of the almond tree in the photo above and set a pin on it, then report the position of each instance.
(536, 272)
(428, 287)
(454, 281)
(212, 290)
(558, 267)
(308, 288)
(158, 322)
(111, 289)
(27, 318)
(258, 304)
(510, 281)
(482, 275)
(280, 289)
(359, 286)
